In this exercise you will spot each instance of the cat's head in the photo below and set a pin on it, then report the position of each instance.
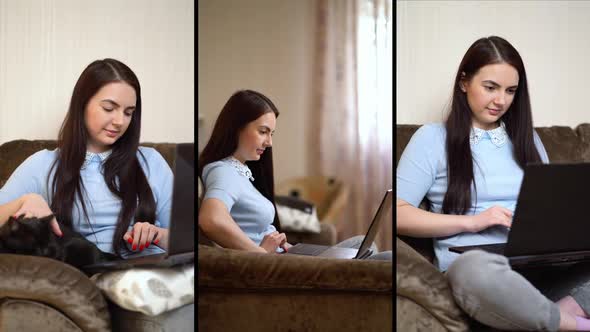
(25, 235)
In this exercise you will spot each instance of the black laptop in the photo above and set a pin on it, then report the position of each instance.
(551, 223)
(363, 251)
(181, 241)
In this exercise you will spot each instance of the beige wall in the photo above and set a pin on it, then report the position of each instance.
(551, 37)
(45, 45)
(264, 45)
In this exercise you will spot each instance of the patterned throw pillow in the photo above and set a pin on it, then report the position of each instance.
(150, 291)
(297, 215)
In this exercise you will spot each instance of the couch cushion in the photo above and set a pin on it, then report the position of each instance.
(219, 267)
(178, 320)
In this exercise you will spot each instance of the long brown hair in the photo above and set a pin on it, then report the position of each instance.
(242, 108)
(518, 120)
(122, 171)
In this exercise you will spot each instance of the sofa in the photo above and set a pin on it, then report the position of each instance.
(42, 294)
(245, 291)
(423, 296)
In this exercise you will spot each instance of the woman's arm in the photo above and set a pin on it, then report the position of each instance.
(412, 221)
(29, 205)
(218, 225)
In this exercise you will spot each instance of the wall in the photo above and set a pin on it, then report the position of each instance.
(45, 45)
(264, 45)
(551, 37)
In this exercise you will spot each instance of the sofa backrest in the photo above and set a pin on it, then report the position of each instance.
(563, 144)
(13, 153)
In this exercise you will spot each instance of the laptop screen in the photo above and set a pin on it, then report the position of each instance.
(382, 212)
(182, 217)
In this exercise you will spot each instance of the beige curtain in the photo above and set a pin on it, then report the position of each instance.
(352, 131)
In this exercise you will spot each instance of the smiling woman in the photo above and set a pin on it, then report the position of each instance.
(99, 181)
(108, 115)
(469, 171)
(236, 213)
(490, 93)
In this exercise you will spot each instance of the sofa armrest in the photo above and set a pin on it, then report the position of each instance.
(421, 282)
(56, 284)
(327, 236)
(220, 268)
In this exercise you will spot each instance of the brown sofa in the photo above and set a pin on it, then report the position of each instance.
(244, 291)
(424, 300)
(41, 294)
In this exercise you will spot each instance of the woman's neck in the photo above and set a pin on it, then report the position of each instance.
(243, 161)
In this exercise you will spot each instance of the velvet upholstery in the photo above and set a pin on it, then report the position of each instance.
(241, 291)
(420, 283)
(424, 301)
(297, 293)
(55, 285)
(26, 315)
(40, 294)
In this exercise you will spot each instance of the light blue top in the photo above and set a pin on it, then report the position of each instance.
(228, 180)
(103, 206)
(422, 171)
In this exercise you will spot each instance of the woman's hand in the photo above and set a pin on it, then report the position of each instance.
(272, 241)
(286, 246)
(494, 216)
(33, 205)
(143, 234)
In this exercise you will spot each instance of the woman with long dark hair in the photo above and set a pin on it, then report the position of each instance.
(238, 208)
(239, 152)
(99, 181)
(468, 170)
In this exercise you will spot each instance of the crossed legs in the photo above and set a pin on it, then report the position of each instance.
(487, 288)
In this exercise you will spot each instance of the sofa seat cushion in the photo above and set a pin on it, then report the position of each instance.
(219, 267)
(178, 320)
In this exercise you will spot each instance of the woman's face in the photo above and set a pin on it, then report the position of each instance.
(490, 93)
(108, 114)
(255, 137)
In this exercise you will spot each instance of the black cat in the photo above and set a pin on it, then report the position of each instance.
(33, 236)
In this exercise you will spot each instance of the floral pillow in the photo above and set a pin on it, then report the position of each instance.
(150, 291)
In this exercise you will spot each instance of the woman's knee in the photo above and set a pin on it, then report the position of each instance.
(355, 243)
(476, 270)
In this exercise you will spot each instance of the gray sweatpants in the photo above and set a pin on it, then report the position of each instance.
(485, 287)
(355, 243)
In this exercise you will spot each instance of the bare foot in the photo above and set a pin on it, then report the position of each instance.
(570, 305)
(567, 321)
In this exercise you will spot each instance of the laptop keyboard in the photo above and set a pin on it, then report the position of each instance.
(308, 249)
